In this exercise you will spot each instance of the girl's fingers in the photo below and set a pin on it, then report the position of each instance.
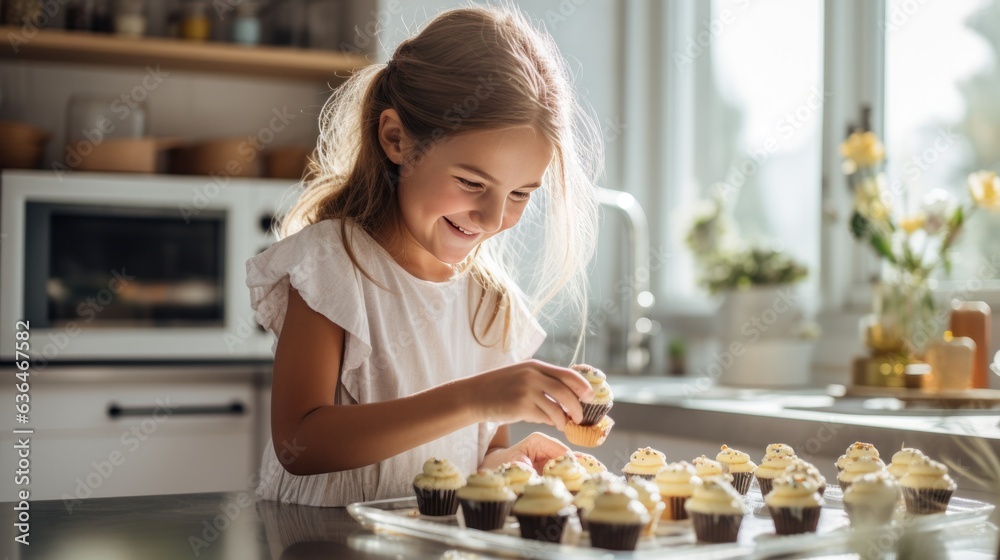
(571, 378)
(565, 397)
(553, 411)
(540, 416)
(540, 446)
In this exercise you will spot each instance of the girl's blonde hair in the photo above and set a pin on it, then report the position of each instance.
(470, 69)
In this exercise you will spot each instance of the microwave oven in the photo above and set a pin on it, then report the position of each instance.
(133, 267)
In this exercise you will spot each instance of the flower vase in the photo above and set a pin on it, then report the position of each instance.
(903, 322)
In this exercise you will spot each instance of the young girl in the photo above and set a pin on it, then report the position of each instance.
(400, 333)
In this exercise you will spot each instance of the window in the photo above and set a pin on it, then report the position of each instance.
(942, 117)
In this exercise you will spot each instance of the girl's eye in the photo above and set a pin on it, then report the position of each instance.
(471, 185)
(520, 196)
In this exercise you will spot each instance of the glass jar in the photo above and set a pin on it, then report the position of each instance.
(195, 24)
(246, 26)
(904, 316)
(130, 18)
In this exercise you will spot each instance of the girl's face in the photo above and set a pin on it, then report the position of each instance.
(459, 192)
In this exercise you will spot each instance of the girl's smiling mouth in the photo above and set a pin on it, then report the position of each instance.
(458, 228)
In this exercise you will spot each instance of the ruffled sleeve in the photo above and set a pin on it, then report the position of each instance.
(315, 263)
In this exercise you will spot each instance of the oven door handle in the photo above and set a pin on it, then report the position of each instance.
(235, 408)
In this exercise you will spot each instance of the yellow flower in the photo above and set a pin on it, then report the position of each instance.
(984, 186)
(872, 200)
(911, 224)
(863, 148)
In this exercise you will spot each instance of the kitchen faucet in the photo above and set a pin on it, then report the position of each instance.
(635, 322)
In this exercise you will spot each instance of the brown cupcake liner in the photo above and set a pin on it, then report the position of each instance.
(795, 520)
(614, 536)
(485, 516)
(588, 436)
(592, 413)
(436, 502)
(675, 508)
(713, 528)
(865, 515)
(629, 476)
(742, 481)
(766, 485)
(929, 500)
(547, 528)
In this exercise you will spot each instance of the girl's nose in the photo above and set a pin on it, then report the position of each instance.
(488, 215)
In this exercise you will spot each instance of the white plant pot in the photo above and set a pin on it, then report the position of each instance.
(760, 312)
(771, 363)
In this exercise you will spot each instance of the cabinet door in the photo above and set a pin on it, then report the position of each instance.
(127, 439)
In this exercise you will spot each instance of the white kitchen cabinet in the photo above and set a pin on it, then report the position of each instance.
(137, 437)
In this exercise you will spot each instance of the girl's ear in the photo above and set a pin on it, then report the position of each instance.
(391, 135)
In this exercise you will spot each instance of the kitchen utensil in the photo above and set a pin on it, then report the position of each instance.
(131, 155)
(21, 145)
(232, 157)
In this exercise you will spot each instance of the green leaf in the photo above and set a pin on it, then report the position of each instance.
(859, 225)
(882, 247)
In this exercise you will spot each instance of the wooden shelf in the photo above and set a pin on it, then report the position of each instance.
(176, 54)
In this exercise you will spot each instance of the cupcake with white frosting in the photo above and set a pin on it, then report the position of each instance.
(543, 509)
(716, 511)
(856, 449)
(644, 463)
(871, 500)
(676, 483)
(800, 467)
(568, 469)
(486, 500)
(589, 489)
(705, 467)
(436, 487)
(590, 463)
(517, 476)
(777, 458)
(737, 464)
(855, 467)
(595, 409)
(648, 495)
(617, 519)
(794, 504)
(901, 461)
(927, 488)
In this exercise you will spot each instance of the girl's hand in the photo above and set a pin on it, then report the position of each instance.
(533, 451)
(531, 391)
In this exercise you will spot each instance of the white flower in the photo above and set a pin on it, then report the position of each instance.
(938, 207)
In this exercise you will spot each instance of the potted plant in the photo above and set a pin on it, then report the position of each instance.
(765, 334)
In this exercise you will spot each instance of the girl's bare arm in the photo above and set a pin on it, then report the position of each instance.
(311, 435)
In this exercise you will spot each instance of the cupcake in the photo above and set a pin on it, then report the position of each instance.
(568, 470)
(927, 488)
(543, 509)
(794, 504)
(644, 463)
(739, 465)
(705, 467)
(436, 487)
(617, 518)
(808, 470)
(589, 436)
(648, 494)
(871, 499)
(676, 482)
(901, 461)
(590, 463)
(856, 467)
(602, 402)
(716, 511)
(485, 501)
(777, 458)
(516, 476)
(857, 449)
(584, 498)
